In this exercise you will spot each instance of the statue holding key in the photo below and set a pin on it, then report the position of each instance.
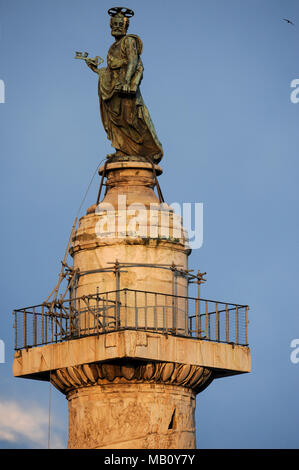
(125, 117)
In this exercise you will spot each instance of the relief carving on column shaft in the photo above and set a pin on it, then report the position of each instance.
(190, 376)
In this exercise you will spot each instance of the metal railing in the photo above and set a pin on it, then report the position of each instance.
(125, 309)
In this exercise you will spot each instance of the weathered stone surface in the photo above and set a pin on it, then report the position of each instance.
(134, 371)
(94, 247)
(226, 358)
(151, 241)
(132, 416)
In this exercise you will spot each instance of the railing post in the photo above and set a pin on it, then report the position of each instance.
(69, 329)
(246, 323)
(104, 315)
(15, 324)
(106, 311)
(145, 310)
(136, 311)
(117, 280)
(217, 324)
(60, 314)
(25, 329)
(166, 319)
(97, 313)
(186, 315)
(52, 333)
(46, 329)
(117, 308)
(79, 317)
(174, 299)
(198, 318)
(43, 337)
(126, 309)
(55, 318)
(88, 316)
(155, 313)
(34, 326)
(237, 325)
(227, 323)
(207, 322)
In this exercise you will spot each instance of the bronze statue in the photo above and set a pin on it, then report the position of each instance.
(124, 115)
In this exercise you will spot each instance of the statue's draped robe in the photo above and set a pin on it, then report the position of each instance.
(125, 117)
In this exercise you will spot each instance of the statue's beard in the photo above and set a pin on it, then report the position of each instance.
(118, 32)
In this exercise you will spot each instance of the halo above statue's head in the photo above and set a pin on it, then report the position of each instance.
(126, 12)
(121, 12)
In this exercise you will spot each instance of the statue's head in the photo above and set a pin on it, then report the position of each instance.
(119, 21)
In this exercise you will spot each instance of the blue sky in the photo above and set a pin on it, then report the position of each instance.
(217, 84)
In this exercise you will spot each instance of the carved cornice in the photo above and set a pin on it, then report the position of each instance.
(131, 372)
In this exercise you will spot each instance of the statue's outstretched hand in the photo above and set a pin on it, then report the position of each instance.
(91, 64)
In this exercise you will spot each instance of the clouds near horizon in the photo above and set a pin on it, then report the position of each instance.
(26, 425)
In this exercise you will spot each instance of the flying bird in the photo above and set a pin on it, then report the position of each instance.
(288, 21)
